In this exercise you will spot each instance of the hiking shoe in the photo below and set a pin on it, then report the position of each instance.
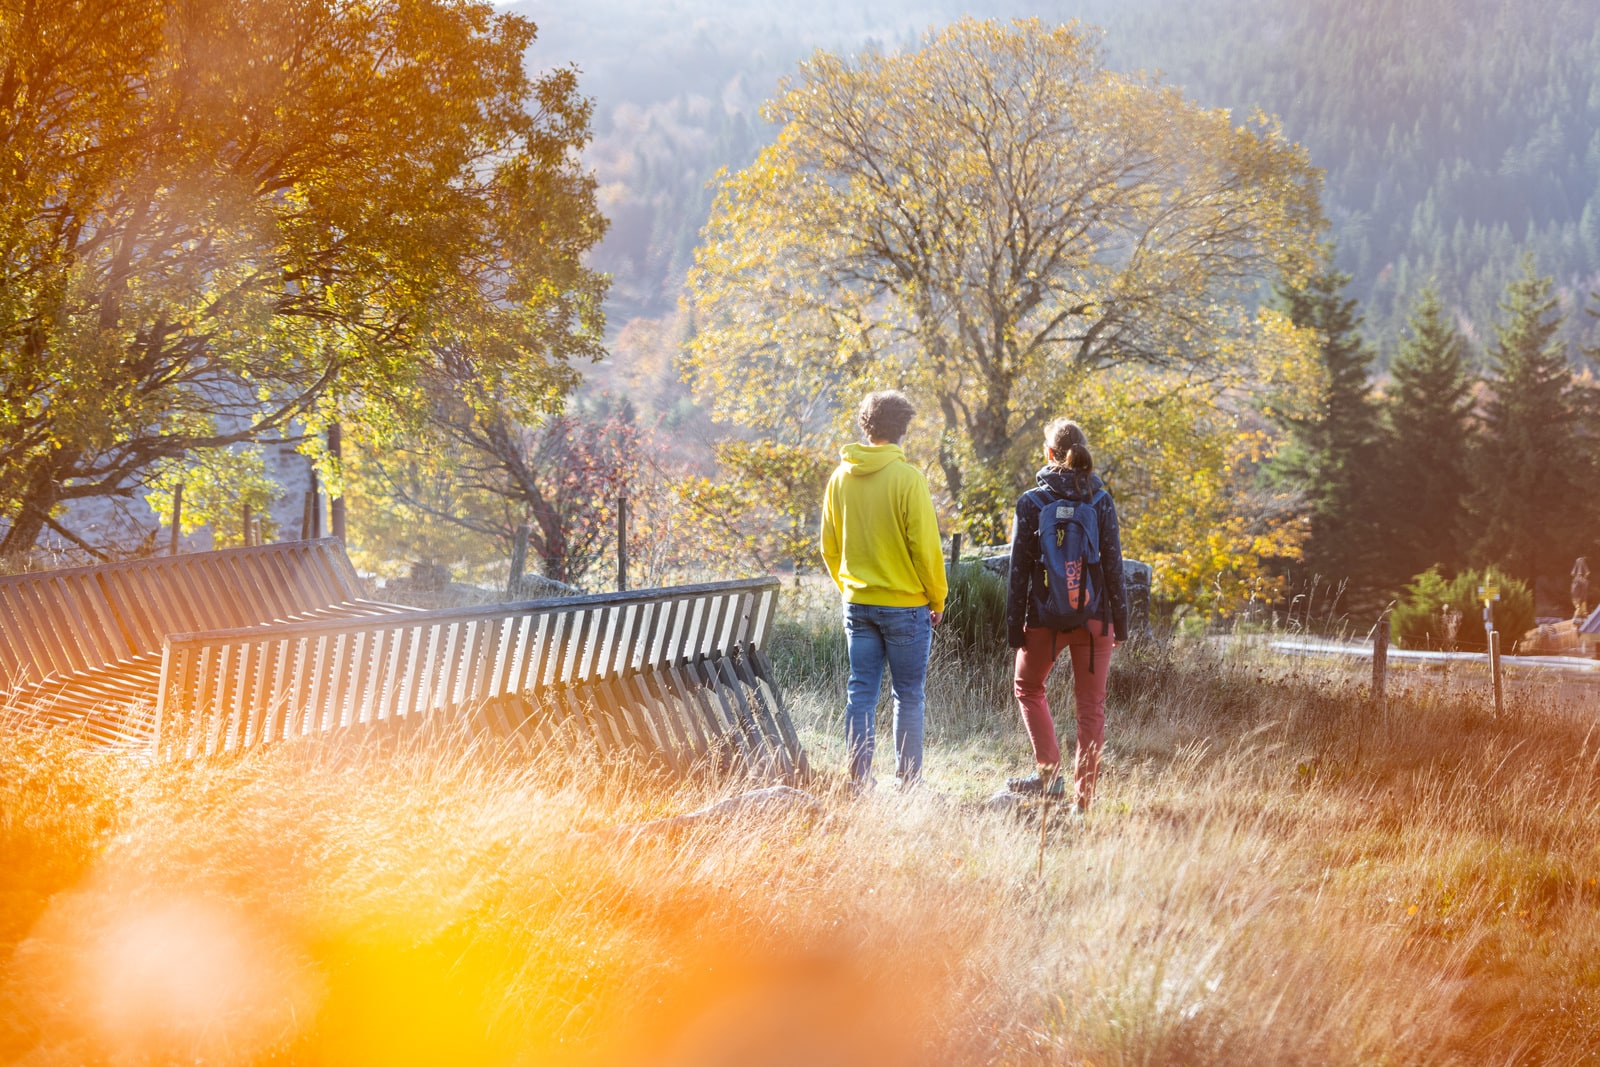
(1032, 785)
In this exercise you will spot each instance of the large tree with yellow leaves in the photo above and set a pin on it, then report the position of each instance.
(982, 221)
(218, 216)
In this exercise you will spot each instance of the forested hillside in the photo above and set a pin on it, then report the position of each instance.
(1454, 133)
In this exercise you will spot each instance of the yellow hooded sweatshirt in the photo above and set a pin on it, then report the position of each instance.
(880, 537)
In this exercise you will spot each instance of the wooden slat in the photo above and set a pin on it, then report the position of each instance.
(275, 722)
(55, 628)
(391, 657)
(108, 637)
(338, 682)
(74, 624)
(279, 577)
(761, 670)
(666, 726)
(659, 672)
(513, 662)
(543, 656)
(252, 694)
(41, 646)
(21, 659)
(16, 662)
(577, 636)
(246, 580)
(407, 656)
(136, 619)
(772, 737)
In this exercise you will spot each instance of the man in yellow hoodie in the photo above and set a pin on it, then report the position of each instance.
(880, 540)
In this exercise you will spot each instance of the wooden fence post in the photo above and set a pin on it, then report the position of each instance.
(519, 561)
(955, 553)
(177, 518)
(622, 542)
(336, 503)
(313, 528)
(1380, 664)
(248, 521)
(1494, 672)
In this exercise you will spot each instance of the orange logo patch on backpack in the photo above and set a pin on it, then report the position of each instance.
(1074, 577)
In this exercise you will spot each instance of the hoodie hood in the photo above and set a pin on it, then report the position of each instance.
(862, 460)
(1064, 484)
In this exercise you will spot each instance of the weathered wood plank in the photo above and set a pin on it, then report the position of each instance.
(654, 671)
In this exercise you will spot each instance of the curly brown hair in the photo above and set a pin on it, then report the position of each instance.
(884, 415)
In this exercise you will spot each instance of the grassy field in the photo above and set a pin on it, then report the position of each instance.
(1275, 873)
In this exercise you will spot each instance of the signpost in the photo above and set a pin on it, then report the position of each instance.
(1489, 592)
(1380, 664)
(1451, 620)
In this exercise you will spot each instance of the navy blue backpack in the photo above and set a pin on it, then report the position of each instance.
(1069, 552)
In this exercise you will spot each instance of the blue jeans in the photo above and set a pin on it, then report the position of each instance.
(901, 638)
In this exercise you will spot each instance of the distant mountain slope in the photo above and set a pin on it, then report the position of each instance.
(1454, 133)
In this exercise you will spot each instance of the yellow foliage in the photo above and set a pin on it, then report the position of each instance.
(984, 221)
(218, 484)
(1180, 452)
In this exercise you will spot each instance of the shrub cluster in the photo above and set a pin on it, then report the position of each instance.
(1418, 622)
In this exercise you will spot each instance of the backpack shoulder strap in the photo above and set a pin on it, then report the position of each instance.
(1041, 496)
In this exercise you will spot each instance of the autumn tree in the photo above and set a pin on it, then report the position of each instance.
(218, 485)
(1182, 453)
(456, 490)
(220, 216)
(981, 221)
(762, 505)
(1428, 437)
(1533, 505)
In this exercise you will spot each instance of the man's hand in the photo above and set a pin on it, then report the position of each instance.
(934, 617)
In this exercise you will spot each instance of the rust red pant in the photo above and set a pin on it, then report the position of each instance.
(1034, 661)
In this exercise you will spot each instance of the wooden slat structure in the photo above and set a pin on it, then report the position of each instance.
(84, 646)
(679, 673)
(217, 652)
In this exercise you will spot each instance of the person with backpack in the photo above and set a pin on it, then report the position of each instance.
(880, 541)
(1067, 591)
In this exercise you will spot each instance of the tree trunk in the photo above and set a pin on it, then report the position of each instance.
(336, 503)
(40, 498)
(988, 489)
(551, 540)
(949, 457)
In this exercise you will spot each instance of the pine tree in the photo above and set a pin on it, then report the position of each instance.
(1530, 504)
(1334, 447)
(1427, 460)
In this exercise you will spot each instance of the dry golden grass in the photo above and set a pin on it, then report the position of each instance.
(1274, 874)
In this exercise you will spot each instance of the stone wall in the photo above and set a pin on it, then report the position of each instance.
(127, 525)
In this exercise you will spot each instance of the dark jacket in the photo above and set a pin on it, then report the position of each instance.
(1025, 595)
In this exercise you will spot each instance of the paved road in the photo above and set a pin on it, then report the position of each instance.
(1567, 677)
(1400, 657)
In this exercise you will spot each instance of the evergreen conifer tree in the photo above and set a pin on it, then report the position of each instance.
(1333, 447)
(1530, 502)
(1428, 416)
